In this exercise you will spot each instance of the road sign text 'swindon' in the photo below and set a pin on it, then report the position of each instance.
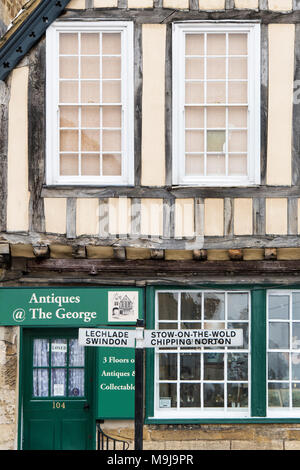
(106, 337)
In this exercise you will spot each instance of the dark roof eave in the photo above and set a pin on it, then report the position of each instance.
(28, 33)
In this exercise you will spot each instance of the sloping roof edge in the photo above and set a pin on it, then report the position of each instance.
(27, 30)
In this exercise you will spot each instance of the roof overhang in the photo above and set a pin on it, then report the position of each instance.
(27, 28)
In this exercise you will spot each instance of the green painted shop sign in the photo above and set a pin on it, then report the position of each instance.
(70, 307)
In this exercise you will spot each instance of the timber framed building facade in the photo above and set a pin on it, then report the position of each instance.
(149, 168)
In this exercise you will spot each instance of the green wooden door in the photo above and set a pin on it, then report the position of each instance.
(57, 391)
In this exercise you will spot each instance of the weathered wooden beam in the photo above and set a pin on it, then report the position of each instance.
(270, 253)
(148, 267)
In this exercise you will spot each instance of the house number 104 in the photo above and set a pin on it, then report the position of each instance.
(57, 405)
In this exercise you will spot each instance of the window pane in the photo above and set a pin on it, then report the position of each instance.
(237, 395)
(238, 44)
(296, 335)
(90, 67)
(112, 141)
(216, 44)
(111, 67)
(296, 306)
(194, 165)
(68, 116)
(167, 395)
(216, 68)
(189, 395)
(112, 165)
(237, 117)
(278, 307)
(69, 165)
(237, 92)
(213, 395)
(194, 141)
(90, 91)
(214, 306)
(237, 141)
(238, 306)
(296, 395)
(111, 92)
(40, 352)
(278, 335)
(68, 92)
(237, 366)
(68, 43)
(90, 116)
(216, 117)
(237, 164)
(68, 141)
(194, 68)
(76, 383)
(191, 306)
(111, 43)
(278, 395)
(76, 353)
(237, 68)
(278, 366)
(68, 67)
(40, 382)
(112, 116)
(168, 366)
(242, 326)
(214, 366)
(216, 141)
(216, 92)
(216, 165)
(194, 92)
(58, 382)
(167, 304)
(190, 366)
(90, 43)
(90, 140)
(90, 165)
(58, 352)
(194, 44)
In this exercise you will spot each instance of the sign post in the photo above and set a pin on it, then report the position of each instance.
(139, 386)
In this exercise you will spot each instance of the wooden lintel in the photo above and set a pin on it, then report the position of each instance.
(145, 267)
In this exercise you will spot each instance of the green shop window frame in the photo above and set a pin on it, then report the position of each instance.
(258, 352)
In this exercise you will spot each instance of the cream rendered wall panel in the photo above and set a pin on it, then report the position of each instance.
(281, 77)
(184, 218)
(87, 216)
(243, 220)
(152, 217)
(140, 3)
(153, 105)
(211, 4)
(105, 3)
(276, 216)
(17, 177)
(55, 214)
(76, 4)
(214, 217)
(281, 5)
(177, 4)
(119, 220)
(241, 4)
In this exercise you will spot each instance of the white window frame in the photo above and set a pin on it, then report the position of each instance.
(178, 169)
(52, 102)
(202, 412)
(284, 411)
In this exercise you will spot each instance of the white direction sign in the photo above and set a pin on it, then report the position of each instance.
(107, 338)
(160, 338)
(192, 338)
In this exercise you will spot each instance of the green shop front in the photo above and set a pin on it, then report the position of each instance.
(66, 388)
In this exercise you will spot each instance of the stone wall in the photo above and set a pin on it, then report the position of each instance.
(8, 387)
(211, 436)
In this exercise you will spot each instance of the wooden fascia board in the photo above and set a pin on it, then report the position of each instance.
(28, 33)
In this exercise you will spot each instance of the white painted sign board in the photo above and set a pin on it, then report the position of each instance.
(193, 338)
(107, 338)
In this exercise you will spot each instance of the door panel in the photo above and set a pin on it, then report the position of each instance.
(58, 391)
